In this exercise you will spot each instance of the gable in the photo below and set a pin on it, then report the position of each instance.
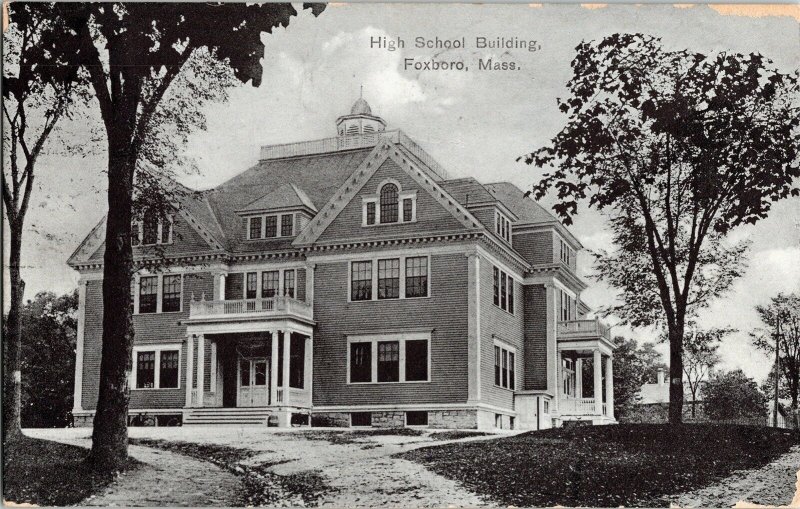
(431, 216)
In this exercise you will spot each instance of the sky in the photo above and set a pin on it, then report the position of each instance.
(475, 123)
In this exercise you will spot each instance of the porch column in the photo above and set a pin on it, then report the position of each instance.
(273, 368)
(221, 293)
(287, 346)
(598, 382)
(201, 368)
(308, 366)
(579, 377)
(189, 368)
(609, 387)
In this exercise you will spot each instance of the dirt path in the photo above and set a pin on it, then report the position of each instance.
(166, 479)
(773, 485)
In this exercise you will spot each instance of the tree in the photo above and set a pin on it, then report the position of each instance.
(34, 105)
(781, 318)
(700, 357)
(677, 148)
(634, 366)
(653, 361)
(733, 395)
(132, 53)
(49, 326)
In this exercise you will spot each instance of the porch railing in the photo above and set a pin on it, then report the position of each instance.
(583, 328)
(265, 306)
(576, 406)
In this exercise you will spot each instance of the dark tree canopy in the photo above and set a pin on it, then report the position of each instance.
(733, 395)
(677, 148)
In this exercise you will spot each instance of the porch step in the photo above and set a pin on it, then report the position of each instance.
(256, 416)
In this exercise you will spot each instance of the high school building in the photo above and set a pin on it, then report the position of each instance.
(349, 281)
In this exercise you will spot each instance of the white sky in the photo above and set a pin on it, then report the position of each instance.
(474, 123)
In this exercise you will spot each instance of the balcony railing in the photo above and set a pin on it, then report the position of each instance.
(575, 329)
(251, 307)
(578, 406)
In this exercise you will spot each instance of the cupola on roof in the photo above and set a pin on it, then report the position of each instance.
(359, 121)
(361, 107)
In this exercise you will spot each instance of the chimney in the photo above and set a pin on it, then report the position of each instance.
(660, 376)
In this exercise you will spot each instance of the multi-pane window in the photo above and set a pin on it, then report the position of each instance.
(361, 281)
(360, 362)
(568, 377)
(408, 210)
(389, 278)
(389, 196)
(251, 285)
(417, 276)
(504, 367)
(565, 253)
(170, 294)
(502, 226)
(370, 212)
(288, 283)
(255, 227)
(269, 283)
(151, 231)
(148, 294)
(503, 288)
(388, 361)
(145, 370)
(270, 226)
(287, 225)
(566, 306)
(168, 377)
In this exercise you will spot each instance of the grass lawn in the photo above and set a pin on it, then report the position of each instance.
(625, 464)
(42, 472)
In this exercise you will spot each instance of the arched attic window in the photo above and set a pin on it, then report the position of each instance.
(389, 197)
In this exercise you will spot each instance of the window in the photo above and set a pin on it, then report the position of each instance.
(503, 288)
(389, 358)
(416, 276)
(148, 294)
(361, 281)
(146, 370)
(546, 406)
(254, 231)
(135, 232)
(504, 367)
(168, 378)
(416, 360)
(150, 230)
(408, 210)
(389, 278)
(395, 278)
(251, 286)
(269, 283)
(389, 196)
(361, 362)
(565, 253)
(157, 368)
(416, 418)
(271, 226)
(566, 306)
(502, 226)
(568, 377)
(288, 283)
(171, 294)
(287, 225)
(370, 212)
(360, 419)
(388, 361)
(296, 363)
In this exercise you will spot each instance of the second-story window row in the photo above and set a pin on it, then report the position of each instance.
(270, 284)
(389, 278)
(159, 293)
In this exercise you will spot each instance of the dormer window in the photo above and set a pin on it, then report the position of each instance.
(390, 205)
(150, 231)
(502, 226)
(266, 227)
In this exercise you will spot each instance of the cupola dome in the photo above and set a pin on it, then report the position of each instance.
(360, 107)
(359, 121)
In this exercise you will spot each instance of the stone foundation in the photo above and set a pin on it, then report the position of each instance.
(82, 421)
(389, 419)
(453, 419)
(331, 420)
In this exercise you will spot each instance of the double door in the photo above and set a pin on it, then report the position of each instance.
(253, 382)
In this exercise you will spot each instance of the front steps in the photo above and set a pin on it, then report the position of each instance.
(236, 416)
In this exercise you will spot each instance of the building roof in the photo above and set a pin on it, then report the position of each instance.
(287, 196)
(468, 191)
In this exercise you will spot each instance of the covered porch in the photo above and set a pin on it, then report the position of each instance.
(586, 373)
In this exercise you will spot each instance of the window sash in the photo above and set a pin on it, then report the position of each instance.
(361, 362)
(288, 283)
(416, 276)
(270, 227)
(287, 225)
(510, 295)
(389, 278)
(146, 370)
(503, 292)
(255, 227)
(496, 286)
(171, 294)
(361, 281)
(148, 294)
(388, 361)
(417, 356)
(149, 230)
(408, 210)
(169, 365)
(497, 366)
(504, 367)
(270, 282)
(389, 197)
(370, 213)
(251, 285)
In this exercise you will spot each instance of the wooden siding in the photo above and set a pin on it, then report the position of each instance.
(150, 329)
(445, 311)
(505, 327)
(431, 216)
(535, 247)
(535, 337)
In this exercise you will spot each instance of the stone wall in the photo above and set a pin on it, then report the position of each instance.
(331, 420)
(453, 419)
(388, 419)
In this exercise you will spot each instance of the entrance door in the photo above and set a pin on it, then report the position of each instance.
(253, 385)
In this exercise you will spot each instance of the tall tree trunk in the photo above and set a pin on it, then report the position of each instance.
(110, 436)
(12, 346)
(676, 371)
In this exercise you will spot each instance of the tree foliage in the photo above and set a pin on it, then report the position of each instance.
(49, 325)
(677, 148)
(781, 320)
(733, 395)
(633, 367)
